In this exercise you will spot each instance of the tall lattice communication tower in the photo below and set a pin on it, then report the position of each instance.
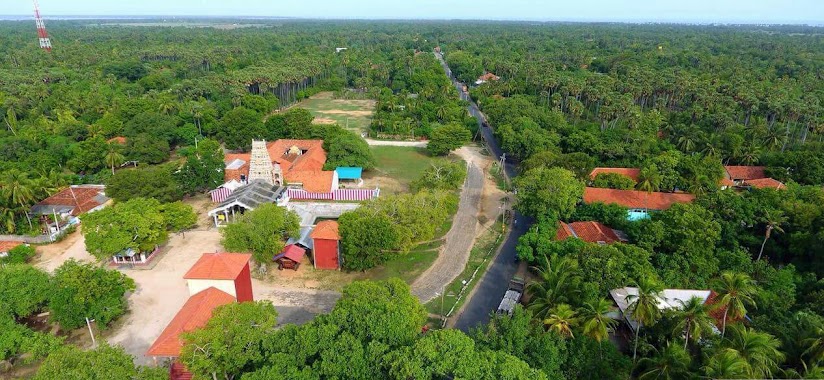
(45, 42)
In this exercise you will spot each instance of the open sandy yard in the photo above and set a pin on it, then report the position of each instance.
(354, 115)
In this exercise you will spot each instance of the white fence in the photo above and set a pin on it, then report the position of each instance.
(334, 195)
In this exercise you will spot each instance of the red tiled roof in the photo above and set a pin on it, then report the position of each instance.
(305, 168)
(633, 173)
(488, 77)
(745, 172)
(591, 232)
(117, 139)
(316, 181)
(726, 182)
(81, 197)
(326, 230)
(765, 183)
(194, 314)
(293, 252)
(718, 313)
(218, 266)
(8, 245)
(635, 199)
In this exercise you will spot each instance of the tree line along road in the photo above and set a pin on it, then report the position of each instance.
(492, 286)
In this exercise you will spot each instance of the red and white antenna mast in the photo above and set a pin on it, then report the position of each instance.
(45, 42)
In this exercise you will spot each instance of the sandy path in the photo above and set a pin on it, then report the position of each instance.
(460, 238)
(416, 144)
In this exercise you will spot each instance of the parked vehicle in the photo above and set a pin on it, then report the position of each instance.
(512, 296)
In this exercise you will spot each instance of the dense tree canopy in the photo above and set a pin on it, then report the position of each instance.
(261, 231)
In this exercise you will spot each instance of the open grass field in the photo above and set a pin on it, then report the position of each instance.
(396, 167)
(354, 115)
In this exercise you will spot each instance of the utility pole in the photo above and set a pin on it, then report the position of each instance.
(89, 325)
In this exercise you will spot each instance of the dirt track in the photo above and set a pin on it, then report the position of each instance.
(459, 240)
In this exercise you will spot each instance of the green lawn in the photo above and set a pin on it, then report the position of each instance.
(355, 115)
(402, 164)
(406, 266)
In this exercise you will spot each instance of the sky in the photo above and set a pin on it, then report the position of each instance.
(689, 11)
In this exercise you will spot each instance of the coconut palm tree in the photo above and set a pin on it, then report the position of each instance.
(113, 157)
(815, 344)
(758, 349)
(562, 319)
(594, 320)
(735, 291)
(18, 189)
(694, 322)
(643, 307)
(672, 362)
(726, 364)
(557, 283)
(774, 219)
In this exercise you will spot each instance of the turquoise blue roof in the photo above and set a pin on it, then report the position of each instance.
(345, 172)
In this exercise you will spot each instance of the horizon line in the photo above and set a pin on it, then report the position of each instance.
(23, 17)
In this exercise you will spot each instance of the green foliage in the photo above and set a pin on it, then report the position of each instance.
(24, 290)
(684, 237)
(156, 182)
(140, 224)
(262, 232)
(102, 363)
(545, 192)
(21, 345)
(582, 362)
(239, 127)
(18, 255)
(446, 138)
(231, 341)
(203, 169)
(129, 70)
(613, 181)
(371, 232)
(518, 336)
(344, 148)
(147, 149)
(442, 174)
(81, 291)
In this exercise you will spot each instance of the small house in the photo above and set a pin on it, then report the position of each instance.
(487, 77)
(61, 210)
(326, 241)
(133, 257)
(639, 203)
(228, 272)
(290, 258)
(590, 232)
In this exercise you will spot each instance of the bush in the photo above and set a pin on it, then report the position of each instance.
(81, 291)
(447, 138)
(442, 174)
(18, 255)
(613, 181)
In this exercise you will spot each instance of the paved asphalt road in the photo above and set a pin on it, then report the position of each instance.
(495, 281)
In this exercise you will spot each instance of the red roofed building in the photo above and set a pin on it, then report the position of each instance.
(298, 162)
(290, 258)
(194, 314)
(765, 183)
(486, 78)
(741, 173)
(67, 204)
(117, 140)
(228, 272)
(633, 173)
(326, 245)
(590, 232)
(633, 199)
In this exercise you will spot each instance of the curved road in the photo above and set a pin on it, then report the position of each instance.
(490, 290)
